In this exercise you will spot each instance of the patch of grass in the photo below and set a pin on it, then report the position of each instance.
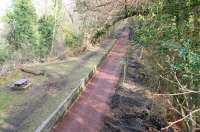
(5, 80)
(4, 100)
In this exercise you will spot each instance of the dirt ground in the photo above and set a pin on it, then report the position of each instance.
(134, 109)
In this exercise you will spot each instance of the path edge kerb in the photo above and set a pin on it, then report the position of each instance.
(48, 124)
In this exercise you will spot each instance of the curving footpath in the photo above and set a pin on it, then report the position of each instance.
(88, 113)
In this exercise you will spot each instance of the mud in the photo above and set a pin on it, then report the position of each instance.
(133, 108)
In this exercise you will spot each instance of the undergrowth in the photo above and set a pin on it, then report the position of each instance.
(171, 36)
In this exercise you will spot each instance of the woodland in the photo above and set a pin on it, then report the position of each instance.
(167, 30)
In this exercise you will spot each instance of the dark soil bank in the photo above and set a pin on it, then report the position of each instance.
(133, 108)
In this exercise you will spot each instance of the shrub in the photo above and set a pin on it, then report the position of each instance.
(166, 32)
(98, 35)
(4, 52)
(45, 28)
(72, 38)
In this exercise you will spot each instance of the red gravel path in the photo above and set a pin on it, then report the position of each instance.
(88, 112)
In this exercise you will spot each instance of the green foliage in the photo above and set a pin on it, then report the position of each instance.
(168, 31)
(72, 38)
(22, 20)
(98, 35)
(4, 52)
(45, 28)
(27, 35)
